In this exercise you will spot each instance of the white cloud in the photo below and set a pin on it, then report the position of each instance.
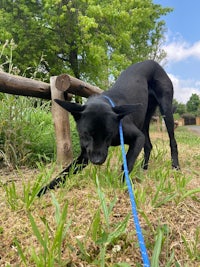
(183, 89)
(179, 50)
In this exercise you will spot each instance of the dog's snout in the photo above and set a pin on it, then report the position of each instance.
(97, 161)
(97, 158)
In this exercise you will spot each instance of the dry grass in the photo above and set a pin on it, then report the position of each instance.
(165, 206)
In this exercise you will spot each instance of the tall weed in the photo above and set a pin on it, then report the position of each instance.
(26, 131)
(50, 240)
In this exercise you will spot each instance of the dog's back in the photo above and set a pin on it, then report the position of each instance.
(139, 76)
(144, 82)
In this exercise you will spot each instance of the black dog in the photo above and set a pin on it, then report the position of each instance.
(137, 92)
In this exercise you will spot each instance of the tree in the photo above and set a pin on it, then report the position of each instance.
(180, 107)
(193, 104)
(90, 39)
(21, 23)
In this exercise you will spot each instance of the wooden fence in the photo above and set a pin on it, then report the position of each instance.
(61, 87)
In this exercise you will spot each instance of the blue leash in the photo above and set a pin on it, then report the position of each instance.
(140, 237)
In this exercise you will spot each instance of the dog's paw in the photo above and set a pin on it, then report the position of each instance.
(42, 191)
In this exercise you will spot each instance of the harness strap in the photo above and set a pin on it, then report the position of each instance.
(140, 237)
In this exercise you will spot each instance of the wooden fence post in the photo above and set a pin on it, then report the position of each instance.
(62, 126)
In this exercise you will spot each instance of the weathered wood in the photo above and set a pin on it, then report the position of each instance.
(62, 126)
(17, 85)
(65, 82)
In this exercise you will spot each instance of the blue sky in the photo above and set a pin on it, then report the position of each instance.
(183, 46)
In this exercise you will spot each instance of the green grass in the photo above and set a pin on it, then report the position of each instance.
(27, 132)
(184, 136)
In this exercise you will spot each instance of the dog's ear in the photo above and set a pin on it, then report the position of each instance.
(74, 108)
(124, 110)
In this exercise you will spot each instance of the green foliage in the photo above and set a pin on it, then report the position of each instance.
(26, 131)
(180, 107)
(157, 248)
(83, 38)
(30, 191)
(184, 137)
(192, 247)
(193, 104)
(50, 242)
(161, 236)
(25, 199)
(12, 196)
(21, 22)
(74, 138)
(192, 107)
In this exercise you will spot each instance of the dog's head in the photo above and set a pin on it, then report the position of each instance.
(97, 125)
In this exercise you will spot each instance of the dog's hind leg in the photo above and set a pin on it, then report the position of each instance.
(77, 165)
(165, 105)
(147, 145)
(169, 121)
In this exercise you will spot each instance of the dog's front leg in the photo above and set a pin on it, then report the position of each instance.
(135, 148)
(77, 165)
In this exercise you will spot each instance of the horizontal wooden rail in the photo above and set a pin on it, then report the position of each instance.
(17, 85)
